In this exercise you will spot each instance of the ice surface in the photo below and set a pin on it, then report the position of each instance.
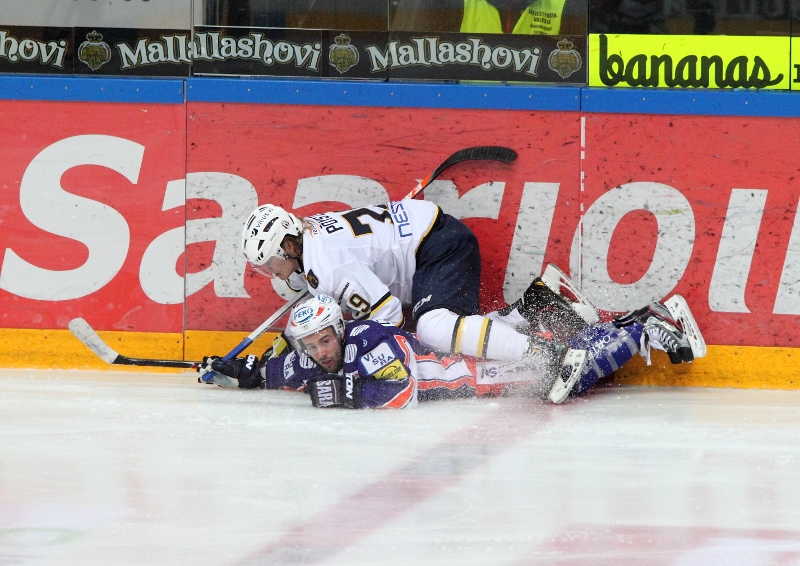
(100, 468)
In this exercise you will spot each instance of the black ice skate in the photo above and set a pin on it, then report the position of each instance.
(669, 327)
(547, 311)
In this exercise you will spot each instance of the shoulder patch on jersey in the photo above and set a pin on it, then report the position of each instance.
(359, 329)
(377, 358)
(312, 279)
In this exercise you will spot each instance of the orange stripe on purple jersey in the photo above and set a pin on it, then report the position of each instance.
(403, 398)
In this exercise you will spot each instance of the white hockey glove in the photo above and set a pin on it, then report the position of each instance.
(289, 290)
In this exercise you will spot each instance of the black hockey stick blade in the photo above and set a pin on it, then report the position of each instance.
(86, 334)
(479, 153)
(483, 152)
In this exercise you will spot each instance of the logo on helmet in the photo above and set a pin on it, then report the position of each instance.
(260, 223)
(303, 315)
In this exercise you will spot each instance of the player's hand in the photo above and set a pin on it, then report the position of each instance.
(326, 390)
(238, 372)
(333, 390)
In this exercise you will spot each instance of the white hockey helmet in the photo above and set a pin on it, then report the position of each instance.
(264, 231)
(314, 315)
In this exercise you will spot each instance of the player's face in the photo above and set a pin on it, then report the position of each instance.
(277, 267)
(325, 348)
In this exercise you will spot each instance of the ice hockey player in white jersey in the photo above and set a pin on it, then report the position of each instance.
(367, 364)
(375, 260)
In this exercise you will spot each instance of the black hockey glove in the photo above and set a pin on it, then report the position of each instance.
(244, 372)
(333, 390)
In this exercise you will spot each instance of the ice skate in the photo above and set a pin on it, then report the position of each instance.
(571, 369)
(670, 327)
(560, 367)
(560, 284)
(679, 309)
(547, 311)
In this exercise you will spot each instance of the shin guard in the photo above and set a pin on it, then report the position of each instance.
(609, 349)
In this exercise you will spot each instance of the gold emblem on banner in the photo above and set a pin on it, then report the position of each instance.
(94, 51)
(343, 56)
(564, 60)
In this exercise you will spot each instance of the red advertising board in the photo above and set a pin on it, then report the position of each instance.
(702, 206)
(83, 215)
(315, 158)
(109, 217)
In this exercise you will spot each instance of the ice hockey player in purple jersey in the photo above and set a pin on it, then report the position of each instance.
(369, 364)
(366, 364)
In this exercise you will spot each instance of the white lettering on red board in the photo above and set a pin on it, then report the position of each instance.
(676, 234)
(107, 234)
(49, 207)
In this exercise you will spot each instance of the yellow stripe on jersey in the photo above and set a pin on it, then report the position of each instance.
(428, 230)
(382, 302)
(483, 338)
(457, 335)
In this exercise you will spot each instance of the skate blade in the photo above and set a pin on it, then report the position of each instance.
(555, 279)
(679, 309)
(571, 371)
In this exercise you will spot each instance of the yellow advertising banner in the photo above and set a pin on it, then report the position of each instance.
(795, 72)
(689, 61)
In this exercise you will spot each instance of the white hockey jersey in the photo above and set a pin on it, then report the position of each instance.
(365, 257)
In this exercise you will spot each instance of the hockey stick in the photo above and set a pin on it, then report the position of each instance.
(86, 334)
(483, 152)
(206, 377)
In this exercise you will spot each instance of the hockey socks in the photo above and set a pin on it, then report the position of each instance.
(609, 349)
(474, 335)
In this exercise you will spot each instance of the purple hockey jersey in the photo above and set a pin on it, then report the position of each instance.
(388, 364)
